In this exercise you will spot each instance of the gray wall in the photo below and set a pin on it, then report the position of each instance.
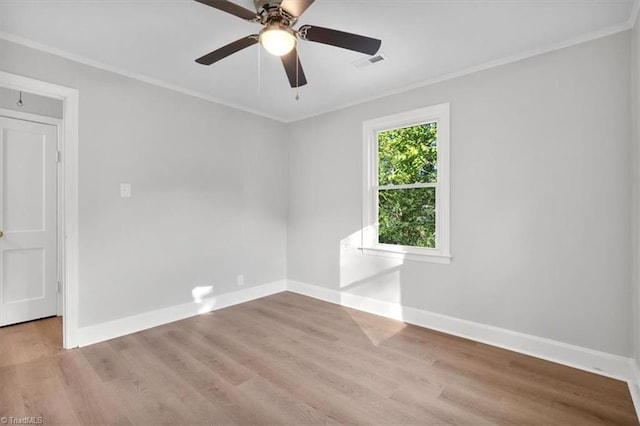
(208, 182)
(33, 104)
(635, 74)
(541, 213)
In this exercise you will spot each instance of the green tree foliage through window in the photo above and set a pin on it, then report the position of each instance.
(408, 156)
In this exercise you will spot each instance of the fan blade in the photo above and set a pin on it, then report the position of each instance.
(337, 38)
(232, 8)
(291, 62)
(296, 7)
(227, 50)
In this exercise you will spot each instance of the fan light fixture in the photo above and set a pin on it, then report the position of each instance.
(278, 39)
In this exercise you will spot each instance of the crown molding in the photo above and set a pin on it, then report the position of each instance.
(627, 25)
(135, 76)
(594, 35)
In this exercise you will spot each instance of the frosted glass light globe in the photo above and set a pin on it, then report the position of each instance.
(278, 40)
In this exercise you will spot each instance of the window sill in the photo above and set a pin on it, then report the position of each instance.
(407, 255)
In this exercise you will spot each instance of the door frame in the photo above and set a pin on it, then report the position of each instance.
(67, 197)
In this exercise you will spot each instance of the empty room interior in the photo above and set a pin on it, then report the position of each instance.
(284, 212)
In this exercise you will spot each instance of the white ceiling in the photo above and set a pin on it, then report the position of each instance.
(424, 40)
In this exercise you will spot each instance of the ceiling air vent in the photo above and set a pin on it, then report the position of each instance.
(370, 61)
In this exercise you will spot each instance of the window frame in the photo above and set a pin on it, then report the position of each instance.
(370, 245)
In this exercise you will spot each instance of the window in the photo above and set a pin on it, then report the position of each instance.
(406, 185)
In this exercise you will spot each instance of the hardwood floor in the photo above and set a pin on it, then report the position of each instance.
(289, 359)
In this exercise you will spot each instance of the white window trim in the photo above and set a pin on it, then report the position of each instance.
(371, 128)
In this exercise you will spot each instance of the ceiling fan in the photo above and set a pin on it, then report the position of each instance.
(280, 38)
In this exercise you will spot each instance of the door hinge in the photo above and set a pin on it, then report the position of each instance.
(59, 158)
(58, 287)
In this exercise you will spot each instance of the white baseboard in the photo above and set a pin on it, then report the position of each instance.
(123, 326)
(602, 363)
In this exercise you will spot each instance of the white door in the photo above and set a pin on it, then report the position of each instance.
(28, 198)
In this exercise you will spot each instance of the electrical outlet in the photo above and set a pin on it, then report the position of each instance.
(240, 280)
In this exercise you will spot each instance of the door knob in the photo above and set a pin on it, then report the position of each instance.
(1, 234)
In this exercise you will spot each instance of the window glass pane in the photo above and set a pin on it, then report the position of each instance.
(408, 155)
(407, 217)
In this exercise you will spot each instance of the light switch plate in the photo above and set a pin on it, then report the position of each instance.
(125, 190)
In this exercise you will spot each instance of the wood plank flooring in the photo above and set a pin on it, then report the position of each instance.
(289, 359)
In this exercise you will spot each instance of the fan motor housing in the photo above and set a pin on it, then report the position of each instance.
(266, 4)
(270, 12)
